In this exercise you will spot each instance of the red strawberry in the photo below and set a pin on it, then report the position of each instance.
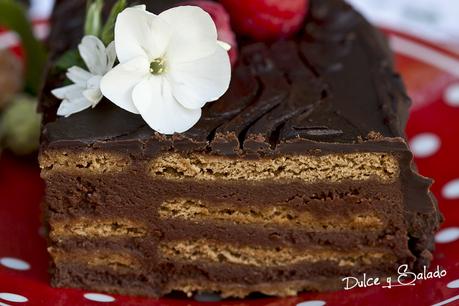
(222, 21)
(267, 19)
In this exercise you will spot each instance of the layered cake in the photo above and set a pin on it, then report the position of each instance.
(298, 176)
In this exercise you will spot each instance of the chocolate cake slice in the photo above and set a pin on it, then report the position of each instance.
(298, 176)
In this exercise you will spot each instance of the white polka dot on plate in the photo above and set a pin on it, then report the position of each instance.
(453, 284)
(207, 297)
(447, 235)
(452, 95)
(12, 297)
(97, 297)
(312, 303)
(14, 263)
(451, 190)
(425, 144)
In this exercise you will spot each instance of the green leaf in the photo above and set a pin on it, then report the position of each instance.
(69, 59)
(13, 16)
(93, 23)
(108, 31)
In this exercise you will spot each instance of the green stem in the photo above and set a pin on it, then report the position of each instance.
(93, 21)
(107, 34)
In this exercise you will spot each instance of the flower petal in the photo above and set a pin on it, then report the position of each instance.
(118, 83)
(69, 107)
(224, 45)
(68, 92)
(111, 56)
(194, 33)
(78, 75)
(140, 33)
(205, 80)
(94, 82)
(155, 102)
(93, 95)
(141, 7)
(92, 51)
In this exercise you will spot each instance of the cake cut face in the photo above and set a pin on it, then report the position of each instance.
(298, 176)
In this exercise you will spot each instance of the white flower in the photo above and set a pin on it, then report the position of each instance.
(85, 92)
(171, 64)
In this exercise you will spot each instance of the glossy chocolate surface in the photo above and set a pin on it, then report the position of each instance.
(332, 84)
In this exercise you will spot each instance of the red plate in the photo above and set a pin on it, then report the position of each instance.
(432, 77)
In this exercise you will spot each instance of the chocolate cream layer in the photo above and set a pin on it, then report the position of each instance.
(347, 225)
(231, 281)
(286, 187)
(329, 90)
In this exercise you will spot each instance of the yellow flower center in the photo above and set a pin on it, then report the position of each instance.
(158, 66)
